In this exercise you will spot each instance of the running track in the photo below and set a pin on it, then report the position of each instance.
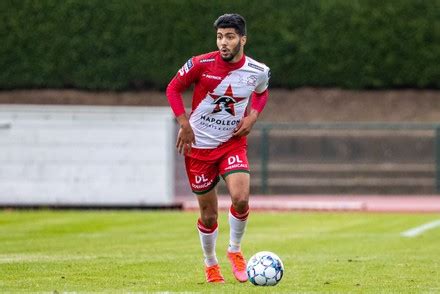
(370, 203)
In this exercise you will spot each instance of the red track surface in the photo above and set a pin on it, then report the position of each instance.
(370, 203)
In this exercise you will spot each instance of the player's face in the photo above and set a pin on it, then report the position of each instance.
(230, 44)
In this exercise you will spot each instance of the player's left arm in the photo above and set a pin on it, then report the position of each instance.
(258, 101)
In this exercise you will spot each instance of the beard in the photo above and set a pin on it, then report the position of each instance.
(234, 53)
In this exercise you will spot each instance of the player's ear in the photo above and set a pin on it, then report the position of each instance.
(243, 40)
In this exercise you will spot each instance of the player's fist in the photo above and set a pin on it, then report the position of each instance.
(185, 138)
(244, 127)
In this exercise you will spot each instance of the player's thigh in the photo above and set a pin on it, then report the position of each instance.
(234, 168)
(238, 185)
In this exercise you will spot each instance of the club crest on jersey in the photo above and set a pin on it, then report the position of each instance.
(252, 80)
(225, 102)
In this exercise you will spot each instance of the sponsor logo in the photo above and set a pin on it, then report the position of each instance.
(207, 60)
(202, 186)
(237, 165)
(235, 162)
(186, 67)
(201, 182)
(201, 179)
(212, 77)
(219, 122)
(234, 159)
(255, 66)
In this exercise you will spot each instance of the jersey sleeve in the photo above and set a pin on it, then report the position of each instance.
(263, 81)
(259, 100)
(187, 74)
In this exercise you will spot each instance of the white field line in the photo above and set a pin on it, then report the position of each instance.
(6, 258)
(421, 229)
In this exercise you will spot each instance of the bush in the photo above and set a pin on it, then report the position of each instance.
(117, 45)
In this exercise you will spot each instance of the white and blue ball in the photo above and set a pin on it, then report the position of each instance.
(265, 269)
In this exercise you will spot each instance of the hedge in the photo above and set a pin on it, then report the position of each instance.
(138, 44)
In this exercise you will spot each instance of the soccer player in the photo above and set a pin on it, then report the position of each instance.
(213, 137)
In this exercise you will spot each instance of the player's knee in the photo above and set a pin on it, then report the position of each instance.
(241, 205)
(209, 219)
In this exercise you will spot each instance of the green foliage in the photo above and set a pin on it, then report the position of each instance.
(121, 251)
(120, 45)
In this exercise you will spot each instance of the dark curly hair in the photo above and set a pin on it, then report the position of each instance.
(232, 20)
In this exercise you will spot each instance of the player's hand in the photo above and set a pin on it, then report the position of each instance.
(244, 127)
(185, 138)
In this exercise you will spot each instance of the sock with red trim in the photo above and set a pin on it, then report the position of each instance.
(208, 238)
(237, 224)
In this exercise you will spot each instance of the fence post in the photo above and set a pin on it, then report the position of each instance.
(264, 158)
(437, 159)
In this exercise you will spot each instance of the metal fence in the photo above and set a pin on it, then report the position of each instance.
(366, 158)
(339, 158)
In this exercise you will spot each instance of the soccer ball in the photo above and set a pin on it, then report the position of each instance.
(265, 269)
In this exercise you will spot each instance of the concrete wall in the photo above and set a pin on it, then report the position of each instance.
(86, 155)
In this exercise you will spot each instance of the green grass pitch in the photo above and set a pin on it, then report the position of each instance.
(144, 251)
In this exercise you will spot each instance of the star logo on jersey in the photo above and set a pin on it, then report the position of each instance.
(225, 102)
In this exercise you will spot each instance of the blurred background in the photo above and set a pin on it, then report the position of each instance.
(354, 97)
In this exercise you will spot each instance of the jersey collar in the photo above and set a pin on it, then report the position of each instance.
(230, 65)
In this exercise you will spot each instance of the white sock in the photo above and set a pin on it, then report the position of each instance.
(208, 241)
(237, 229)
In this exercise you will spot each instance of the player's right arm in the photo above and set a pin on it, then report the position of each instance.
(187, 75)
(185, 137)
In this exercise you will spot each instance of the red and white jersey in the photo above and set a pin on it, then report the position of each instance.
(221, 94)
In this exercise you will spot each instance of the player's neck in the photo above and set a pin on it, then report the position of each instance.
(237, 58)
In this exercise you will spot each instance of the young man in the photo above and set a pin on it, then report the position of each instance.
(213, 138)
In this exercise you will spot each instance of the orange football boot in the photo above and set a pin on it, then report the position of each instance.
(213, 274)
(238, 266)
